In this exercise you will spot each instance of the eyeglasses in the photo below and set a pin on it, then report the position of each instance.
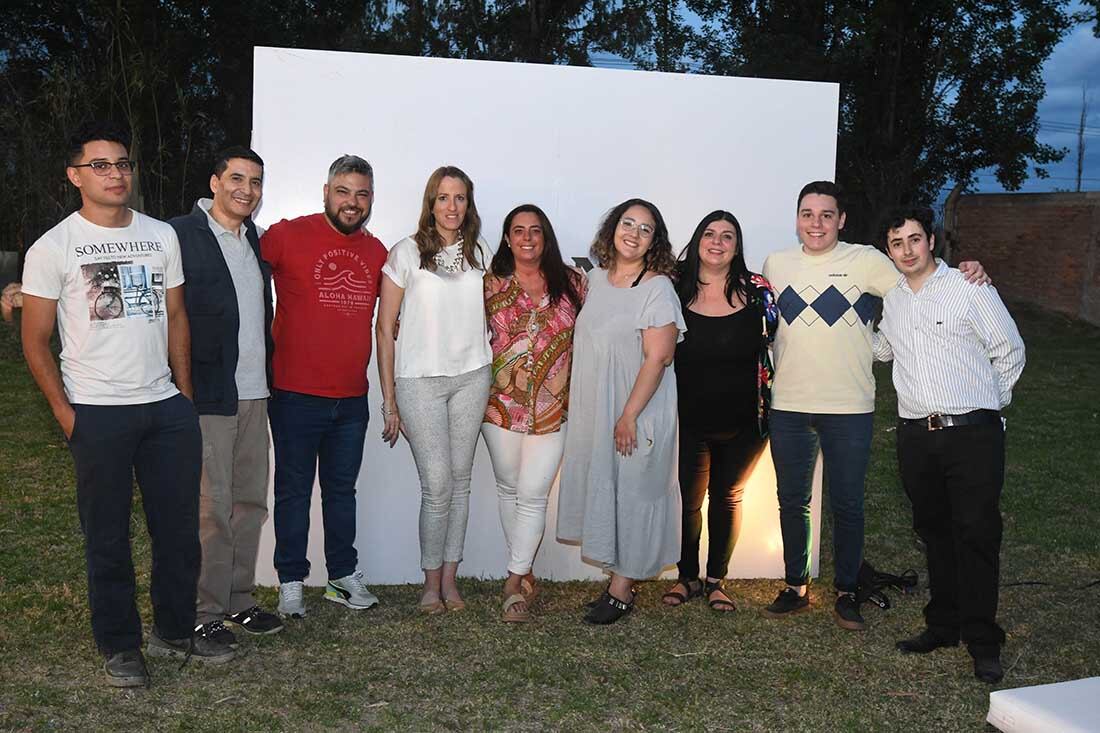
(103, 167)
(630, 226)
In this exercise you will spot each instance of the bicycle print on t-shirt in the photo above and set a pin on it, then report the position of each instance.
(123, 290)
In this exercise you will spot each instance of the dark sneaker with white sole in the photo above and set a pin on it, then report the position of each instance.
(255, 620)
(787, 602)
(216, 630)
(126, 669)
(199, 648)
(846, 613)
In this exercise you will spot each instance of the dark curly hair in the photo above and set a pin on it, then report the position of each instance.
(658, 258)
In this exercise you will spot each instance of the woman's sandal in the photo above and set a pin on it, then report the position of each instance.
(510, 615)
(694, 588)
(607, 589)
(529, 588)
(721, 605)
(454, 604)
(609, 609)
(432, 609)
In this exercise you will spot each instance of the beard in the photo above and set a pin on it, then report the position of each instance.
(333, 215)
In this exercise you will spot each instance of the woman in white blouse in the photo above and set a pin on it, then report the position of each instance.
(435, 377)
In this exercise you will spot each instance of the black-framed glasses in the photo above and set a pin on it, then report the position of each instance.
(103, 167)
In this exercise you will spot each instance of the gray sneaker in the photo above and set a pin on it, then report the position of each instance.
(291, 602)
(199, 648)
(351, 592)
(126, 669)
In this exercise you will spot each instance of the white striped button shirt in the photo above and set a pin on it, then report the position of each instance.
(955, 347)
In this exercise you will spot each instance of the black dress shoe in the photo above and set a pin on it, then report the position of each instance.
(924, 642)
(988, 669)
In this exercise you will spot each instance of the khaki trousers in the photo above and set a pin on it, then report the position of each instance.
(232, 507)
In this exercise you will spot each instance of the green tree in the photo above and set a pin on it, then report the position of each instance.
(930, 92)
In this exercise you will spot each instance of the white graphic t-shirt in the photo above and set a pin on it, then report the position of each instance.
(109, 284)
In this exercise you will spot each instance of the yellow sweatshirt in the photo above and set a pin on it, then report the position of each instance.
(827, 305)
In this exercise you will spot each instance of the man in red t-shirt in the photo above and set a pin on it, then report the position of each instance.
(326, 269)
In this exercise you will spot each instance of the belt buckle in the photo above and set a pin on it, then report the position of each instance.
(936, 422)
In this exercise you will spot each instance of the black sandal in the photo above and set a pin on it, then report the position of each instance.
(694, 588)
(609, 609)
(606, 591)
(721, 605)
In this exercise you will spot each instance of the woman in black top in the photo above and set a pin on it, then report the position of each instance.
(723, 377)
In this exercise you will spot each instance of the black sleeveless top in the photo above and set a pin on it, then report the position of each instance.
(716, 367)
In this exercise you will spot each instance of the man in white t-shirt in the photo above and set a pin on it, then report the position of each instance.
(111, 280)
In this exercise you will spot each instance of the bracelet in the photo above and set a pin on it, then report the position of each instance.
(387, 413)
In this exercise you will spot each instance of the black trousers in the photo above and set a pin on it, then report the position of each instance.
(160, 444)
(717, 464)
(954, 478)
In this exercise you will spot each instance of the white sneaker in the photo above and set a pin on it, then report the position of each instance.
(351, 592)
(291, 602)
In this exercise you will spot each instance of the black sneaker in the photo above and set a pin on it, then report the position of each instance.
(200, 648)
(255, 620)
(126, 669)
(787, 602)
(846, 613)
(216, 630)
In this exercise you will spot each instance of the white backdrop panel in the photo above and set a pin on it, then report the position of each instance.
(575, 141)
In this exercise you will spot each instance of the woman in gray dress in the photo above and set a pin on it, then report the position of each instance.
(619, 495)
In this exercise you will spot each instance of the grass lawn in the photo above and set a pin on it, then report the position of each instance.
(687, 668)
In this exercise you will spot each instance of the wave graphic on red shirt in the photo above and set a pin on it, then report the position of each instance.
(346, 281)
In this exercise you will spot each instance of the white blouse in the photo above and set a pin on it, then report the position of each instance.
(443, 330)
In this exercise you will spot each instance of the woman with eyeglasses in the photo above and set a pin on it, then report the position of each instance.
(723, 378)
(435, 376)
(532, 299)
(619, 496)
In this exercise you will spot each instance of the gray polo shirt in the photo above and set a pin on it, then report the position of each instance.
(249, 284)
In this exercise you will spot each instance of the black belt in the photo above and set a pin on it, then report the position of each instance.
(936, 421)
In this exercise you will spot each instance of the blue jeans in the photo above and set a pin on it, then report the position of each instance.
(159, 444)
(323, 437)
(845, 442)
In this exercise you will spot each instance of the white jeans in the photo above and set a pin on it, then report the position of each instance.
(525, 467)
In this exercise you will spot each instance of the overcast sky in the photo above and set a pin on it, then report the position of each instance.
(1075, 62)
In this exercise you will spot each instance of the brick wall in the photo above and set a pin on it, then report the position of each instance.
(1040, 248)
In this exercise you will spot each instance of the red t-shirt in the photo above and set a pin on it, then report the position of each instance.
(326, 285)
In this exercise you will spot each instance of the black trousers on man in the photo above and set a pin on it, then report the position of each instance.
(158, 443)
(953, 476)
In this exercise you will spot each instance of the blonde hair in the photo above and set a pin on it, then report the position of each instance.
(428, 239)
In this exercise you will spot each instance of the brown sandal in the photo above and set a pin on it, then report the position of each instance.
(510, 615)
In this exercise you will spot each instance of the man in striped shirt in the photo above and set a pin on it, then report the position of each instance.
(957, 354)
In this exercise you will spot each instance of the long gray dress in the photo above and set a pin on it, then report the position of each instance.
(624, 510)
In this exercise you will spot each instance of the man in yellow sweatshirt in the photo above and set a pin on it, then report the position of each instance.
(828, 293)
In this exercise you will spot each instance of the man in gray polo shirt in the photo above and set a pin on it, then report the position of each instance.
(957, 355)
(228, 299)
